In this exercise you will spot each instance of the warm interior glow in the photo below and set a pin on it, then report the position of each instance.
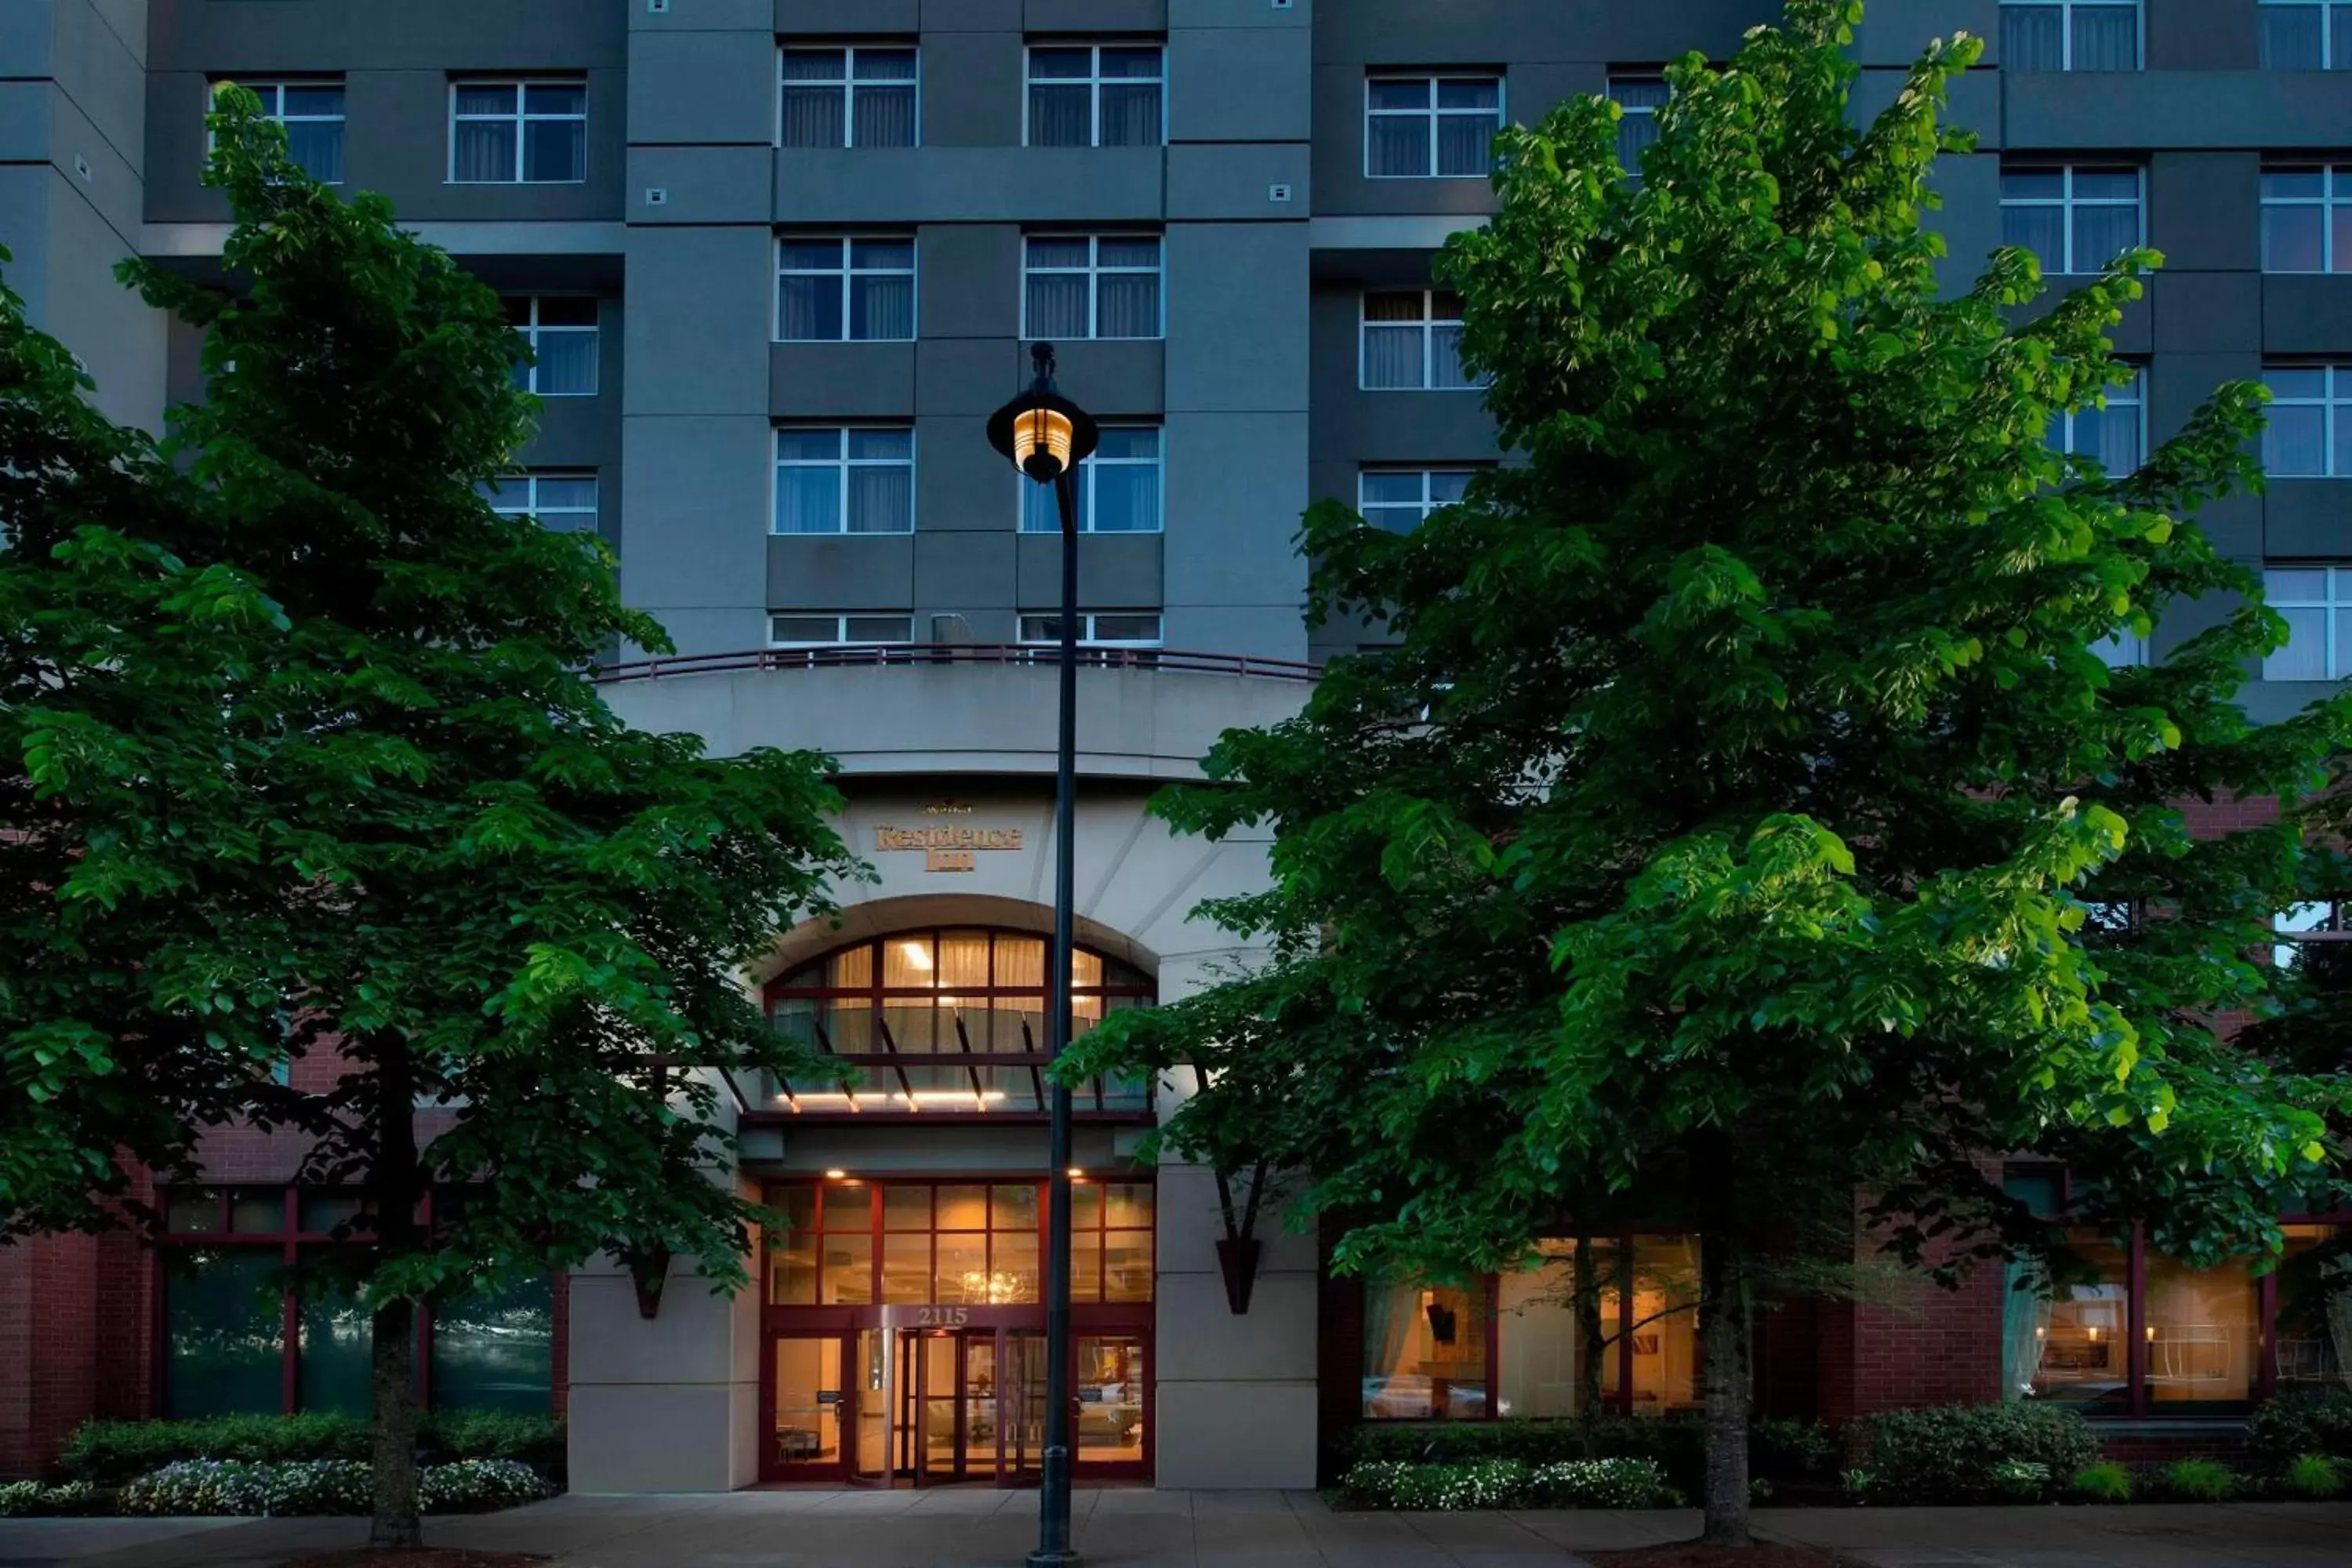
(1041, 443)
(1077, 1173)
(834, 1175)
(916, 955)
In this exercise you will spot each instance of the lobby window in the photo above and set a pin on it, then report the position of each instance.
(1638, 97)
(2307, 218)
(845, 629)
(1411, 340)
(565, 502)
(562, 332)
(1400, 500)
(1097, 628)
(2304, 437)
(1119, 486)
(2115, 437)
(2315, 602)
(851, 1242)
(504, 132)
(1091, 286)
(857, 95)
(1423, 126)
(2306, 36)
(2070, 35)
(845, 289)
(2075, 218)
(312, 114)
(845, 479)
(1097, 95)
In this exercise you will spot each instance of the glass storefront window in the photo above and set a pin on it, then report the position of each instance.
(333, 1362)
(2202, 1345)
(2083, 1356)
(2315, 1313)
(496, 1351)
(1109, 1388)
(954, 1243)
(225, 1333)
(1537, 1374)
(847, 1279)
(1666, 1324)
(1425, 1352)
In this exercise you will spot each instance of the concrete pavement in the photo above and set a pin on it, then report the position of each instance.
(1139, 1529)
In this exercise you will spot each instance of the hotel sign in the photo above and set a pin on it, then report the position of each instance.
(946, 848)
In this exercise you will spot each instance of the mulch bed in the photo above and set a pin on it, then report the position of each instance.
(1691, 1554)
(426, 1557)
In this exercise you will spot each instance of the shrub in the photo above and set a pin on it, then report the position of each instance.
(1601, 1483)
(1949, 1455)
(479, 1484)
(317, 1487)
(2314, 1476)
(2019, 1480)
(27, 1499)
(1393, 1484)
(2199, 1481)
(2100, 1483)
(2285, 1430)
(1759, 1491)
(1857, 1485)
(106, 1452)
(495, 1435)
(1780, 1450)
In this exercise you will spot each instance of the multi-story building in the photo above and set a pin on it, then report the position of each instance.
(780, 259)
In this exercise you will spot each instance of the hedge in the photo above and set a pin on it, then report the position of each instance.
(1778, 1450)
(2285, 1430)
(30, 1500)
(235, 1487)
(107, 1453)
(1971, 1453)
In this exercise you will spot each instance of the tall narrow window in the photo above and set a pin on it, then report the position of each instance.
(853, 479)
(856, 95)
(1097, 95)
(1411, 342)
(561, 502)
(2309, 431)
(503, 131)
(1638, 99)
(2315, 602)
(1119, 486)
(845, 289)
(312, 114)
(2306, 35)
(2307, 218)
(1423, 126)
(1091, 286)
(2070, 35)
(562, 332)
(1400, 500)
(2114, 436)
(2075, 218)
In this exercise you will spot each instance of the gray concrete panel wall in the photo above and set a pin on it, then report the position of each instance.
(992, 183)
(2201, 34)
(2277, 111)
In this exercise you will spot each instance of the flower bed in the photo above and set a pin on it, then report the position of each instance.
(1507, 1483)
(107, 1453)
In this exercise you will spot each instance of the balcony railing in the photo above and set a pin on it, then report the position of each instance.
(997, 653)
(921, 1059)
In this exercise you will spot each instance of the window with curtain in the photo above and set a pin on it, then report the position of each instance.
(845, 479)
(2315, 602)
(854, 95)
(1425, 126)
(1119, 486)
(1091, 286)
(2306, 35)
(2114, 436)
(1400, 500)
(2075, 218)
(555, 500)
(561, 333)
(1640, 97)
(1411, 342)
(1425, 1352)
(508, 131)
(2310, 419)
(2307, 218)
(845, 289)
(312, 114)
(2070, 35)
(1097, 95)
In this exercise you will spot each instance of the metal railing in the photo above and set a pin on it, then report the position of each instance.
(871, 655)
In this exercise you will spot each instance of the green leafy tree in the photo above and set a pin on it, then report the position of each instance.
(1732, 832)
(297, 756)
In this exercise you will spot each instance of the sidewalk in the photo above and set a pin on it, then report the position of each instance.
(959, 1528)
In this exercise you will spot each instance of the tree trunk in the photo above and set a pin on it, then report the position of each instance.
(1724, 1317)
(398, 1184)
(1588, 1334)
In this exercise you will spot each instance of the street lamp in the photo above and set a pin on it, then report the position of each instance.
(1046, 435)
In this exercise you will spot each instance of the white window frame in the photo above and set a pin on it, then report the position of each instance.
(2066, 10)
(1090, 492)
(841, 619)
(2328, 42)
(848, 272)
(521, 119)
(2133, 396)
(2066, 202)
(845, 463)
(1093, 271)
(533, 331)
(2336, 391)
(1429, 320)
(1093, 80)
(1435, 115)
(1088, 620)
(2335, 191)
(271, 91)
(526, 484)
(1397, 471)
(849, 84)
(2335, 595)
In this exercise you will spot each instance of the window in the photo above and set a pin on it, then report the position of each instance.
(562, 332)
(1097, 628)
(1417, 127)
(1118, 487)
(2070, 35)
(848, 289)
(2309, 432)
(494, 1350)
(2124, 649)
(848, 628)
(2075, 218)
(558, 500)
(853, 1243)
(2324, 921)
(2307, 218)
(2315, 1313)
(506, 132)
(1400, 499)
(312, 114)
(1412, 343)
(2306, 36)
(857, 479)
(2114, 436)
(1640, 97)
(2315, 602)
(1097, 95)
(861, 95)
(1091, 286)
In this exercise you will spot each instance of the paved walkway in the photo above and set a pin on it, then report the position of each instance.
(957, 1529)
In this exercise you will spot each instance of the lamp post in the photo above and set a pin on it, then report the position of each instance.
(1047, 436)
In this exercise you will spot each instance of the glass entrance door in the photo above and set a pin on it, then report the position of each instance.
(970, 1406)
(811, 1409)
